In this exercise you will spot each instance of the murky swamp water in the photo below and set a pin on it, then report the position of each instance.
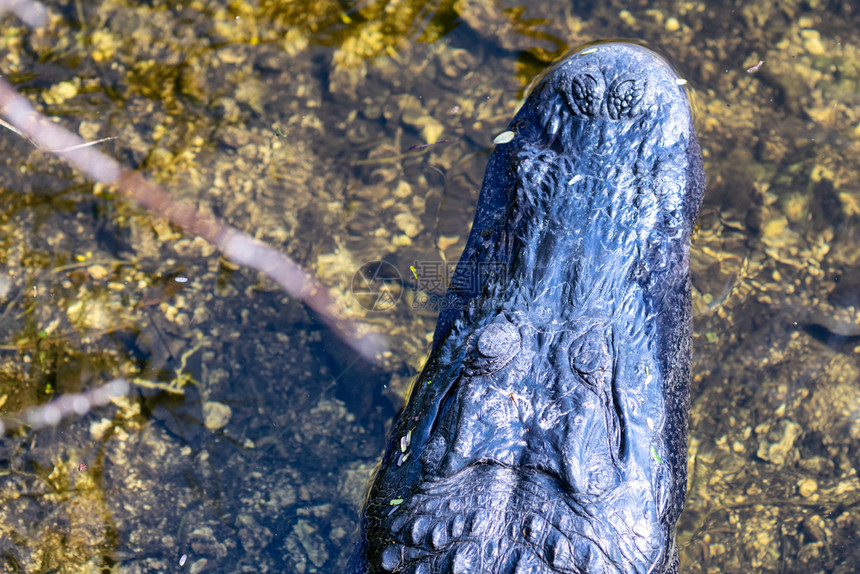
(250, 431)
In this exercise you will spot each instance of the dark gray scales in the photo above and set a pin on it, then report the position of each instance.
(548, 430)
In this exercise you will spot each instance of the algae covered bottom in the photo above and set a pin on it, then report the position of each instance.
(548, 430)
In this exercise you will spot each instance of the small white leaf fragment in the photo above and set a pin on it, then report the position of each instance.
(588, 51)
(405, 441)
(681, 81)
(183, 559)
(574, 179)
(753, 69)
(504, 137)
(403, 458)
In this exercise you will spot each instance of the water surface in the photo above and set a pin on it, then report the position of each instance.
(251, 431)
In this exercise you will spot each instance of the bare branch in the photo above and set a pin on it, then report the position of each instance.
(33, 14)
(234, 244)
(67, 405)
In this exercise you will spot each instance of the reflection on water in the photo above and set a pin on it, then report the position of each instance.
(250, 432)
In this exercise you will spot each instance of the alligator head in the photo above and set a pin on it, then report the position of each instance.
(547, 431)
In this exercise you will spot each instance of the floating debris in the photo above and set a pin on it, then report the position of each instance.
(504, 137)
(753, 69)
(405, 440)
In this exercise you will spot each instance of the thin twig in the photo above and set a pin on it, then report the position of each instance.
(234, 244)
(69, 404)
(33, 14)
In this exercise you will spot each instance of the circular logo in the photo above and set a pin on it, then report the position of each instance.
(377, 286)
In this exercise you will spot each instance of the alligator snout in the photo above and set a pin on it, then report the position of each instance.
(547, 431)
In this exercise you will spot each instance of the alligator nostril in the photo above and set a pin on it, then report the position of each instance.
(583, 94)
(623, 99)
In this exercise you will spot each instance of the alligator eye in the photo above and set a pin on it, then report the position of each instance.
(583, 94)
(493, 347)
(497, 340)
(589, 357)
(623, 99)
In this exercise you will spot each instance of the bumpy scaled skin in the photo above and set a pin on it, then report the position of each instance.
(547, 432)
